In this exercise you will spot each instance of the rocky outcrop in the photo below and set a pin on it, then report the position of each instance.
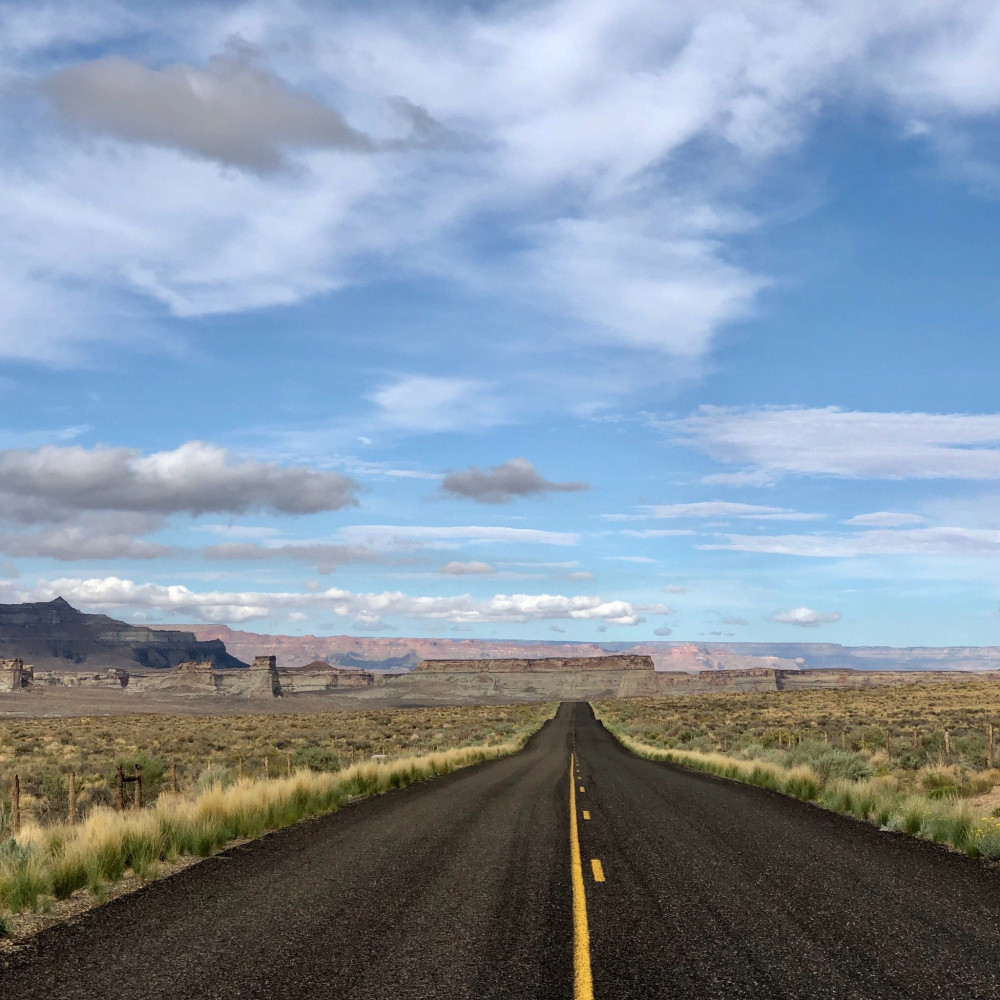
(13, 676)
(320, 676)
(261, 680)
(55, 636)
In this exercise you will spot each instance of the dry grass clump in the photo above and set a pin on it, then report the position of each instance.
(923, 802)
(56, 861)
(858, 719)
(43, 751)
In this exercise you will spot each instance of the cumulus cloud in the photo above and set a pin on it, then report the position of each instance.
(232, 110)
(778, 441)
(806, 617)
(501, 484)
(115, 593)
(467, 569)
(195, 478)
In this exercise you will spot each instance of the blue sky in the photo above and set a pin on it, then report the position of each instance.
(546, 320)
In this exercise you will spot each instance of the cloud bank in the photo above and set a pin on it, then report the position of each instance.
(111, 593)
(196, 478)
(772, 442)
(625, 201)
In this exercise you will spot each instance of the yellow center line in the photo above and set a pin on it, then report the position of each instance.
(583, 986)
(581, 788)
(586, 815)
(595, 864)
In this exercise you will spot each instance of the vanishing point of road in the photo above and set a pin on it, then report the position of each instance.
(572, 870)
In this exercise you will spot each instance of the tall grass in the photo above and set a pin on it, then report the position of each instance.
(834, 782)
(56, 861)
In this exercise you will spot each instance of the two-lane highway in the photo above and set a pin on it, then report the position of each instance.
(572, 870)
(714, 889)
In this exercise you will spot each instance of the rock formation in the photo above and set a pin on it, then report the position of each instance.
(12, 675)
(55, 636)
(261, 680)
(320, 676)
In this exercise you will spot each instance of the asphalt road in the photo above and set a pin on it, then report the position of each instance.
(462, 888)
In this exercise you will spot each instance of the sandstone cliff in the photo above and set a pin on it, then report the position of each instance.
(539, 664)
(55, 636)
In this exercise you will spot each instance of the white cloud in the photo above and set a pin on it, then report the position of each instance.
(422, 403)
(663, 630)
(657, 532)
(629, 559)
(778, 441)
(902, 542)
(114, 593)
(720, 509)
(501, 484)
(195, 478)
(885, 519)
(806, 617)
(575, 118)
(391, 536)
(467, 569)
(579, 574)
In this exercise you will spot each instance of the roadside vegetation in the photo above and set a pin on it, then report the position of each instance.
(49, 860)
(912, 759)
(43, 752)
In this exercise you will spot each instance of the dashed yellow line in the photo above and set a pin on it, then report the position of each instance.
(586, 815)
(595, 864)
(583, 984)
(581, 788)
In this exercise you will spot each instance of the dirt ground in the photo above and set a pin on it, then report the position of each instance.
(54, 702)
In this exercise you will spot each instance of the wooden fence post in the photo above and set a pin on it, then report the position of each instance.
(138, 786)
(72, 799)
(120, 782)
(267, 769)
(843, 740)
(947, 742)
(916, 738)
(173, 778)
(989, 745)
(15, 803)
